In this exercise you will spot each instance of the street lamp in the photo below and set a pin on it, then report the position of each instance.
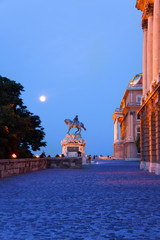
(14, 155)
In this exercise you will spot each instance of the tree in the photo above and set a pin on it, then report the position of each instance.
(20, 130)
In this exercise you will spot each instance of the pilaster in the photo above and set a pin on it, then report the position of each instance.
(116, 132)
(143, 158)
(146, 135)
(145, 34)
(152, 137)
(131, 126)
(149, 12)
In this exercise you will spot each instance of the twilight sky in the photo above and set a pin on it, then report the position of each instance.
(81, 54)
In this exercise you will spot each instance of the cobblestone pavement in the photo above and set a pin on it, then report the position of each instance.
(110, 200)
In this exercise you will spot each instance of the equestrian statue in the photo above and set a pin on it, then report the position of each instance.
(74, 124)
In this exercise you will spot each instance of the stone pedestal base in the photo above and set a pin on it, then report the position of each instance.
(73, 146)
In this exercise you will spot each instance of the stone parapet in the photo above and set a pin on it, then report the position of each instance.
(65, 162)
(11, 167)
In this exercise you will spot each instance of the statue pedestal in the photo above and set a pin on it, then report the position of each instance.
(73, 146)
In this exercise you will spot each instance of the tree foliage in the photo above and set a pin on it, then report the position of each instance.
(20, 130)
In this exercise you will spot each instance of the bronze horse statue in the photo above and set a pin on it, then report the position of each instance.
(72, 124)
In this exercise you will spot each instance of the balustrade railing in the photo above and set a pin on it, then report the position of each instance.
(133, 104)
(119, 109)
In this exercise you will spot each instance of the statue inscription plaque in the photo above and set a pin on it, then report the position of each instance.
(72, 149)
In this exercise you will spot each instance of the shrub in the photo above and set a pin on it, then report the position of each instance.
(43, 155)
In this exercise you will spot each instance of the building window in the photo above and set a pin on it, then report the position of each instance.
(138, 130)
(137, 141)
(138, 99)
(138, 116)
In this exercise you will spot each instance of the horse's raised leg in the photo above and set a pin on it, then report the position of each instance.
(77, 130)
(68, 130)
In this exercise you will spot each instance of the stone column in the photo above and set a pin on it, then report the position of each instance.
(144, 27)
(131, 126)
(150, 47)
(156, 39)
(116, 135)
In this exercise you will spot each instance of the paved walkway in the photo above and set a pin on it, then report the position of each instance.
(111, 200)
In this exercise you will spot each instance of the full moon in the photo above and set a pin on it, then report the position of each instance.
(42, 98)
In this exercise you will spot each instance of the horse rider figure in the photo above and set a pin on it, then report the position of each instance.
(75, 120)
(74, 124)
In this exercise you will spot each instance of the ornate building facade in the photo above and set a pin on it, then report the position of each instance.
(127, 122)
(150, 108)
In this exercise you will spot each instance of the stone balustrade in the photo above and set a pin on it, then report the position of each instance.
(11, 167)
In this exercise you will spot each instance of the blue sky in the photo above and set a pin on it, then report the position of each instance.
(81, 54)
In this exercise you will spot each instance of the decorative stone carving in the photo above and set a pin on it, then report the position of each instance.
(149, 9)
(144, 24)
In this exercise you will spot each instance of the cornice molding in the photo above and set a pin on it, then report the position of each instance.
(146, 6)
(149, 9)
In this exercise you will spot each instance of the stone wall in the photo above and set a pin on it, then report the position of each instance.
(65, 162)
(11, 167)
(150, 132)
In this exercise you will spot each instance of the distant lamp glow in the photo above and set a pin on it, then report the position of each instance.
(14, 155)
(42, 98)
(37, 156)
